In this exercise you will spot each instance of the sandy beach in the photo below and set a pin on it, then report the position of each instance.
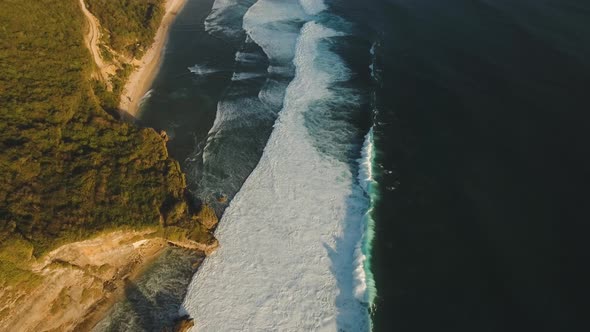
(147, 67)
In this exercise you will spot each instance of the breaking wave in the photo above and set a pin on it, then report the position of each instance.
(294, 239)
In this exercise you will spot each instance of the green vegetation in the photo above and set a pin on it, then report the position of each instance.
(197, 228)
(69, 169)
(129, 26)
(109, 99)
(15, 254)
(128, 29)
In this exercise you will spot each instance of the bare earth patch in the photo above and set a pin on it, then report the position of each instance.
(80, 282)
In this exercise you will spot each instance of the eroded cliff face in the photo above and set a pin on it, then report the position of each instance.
(79, 282)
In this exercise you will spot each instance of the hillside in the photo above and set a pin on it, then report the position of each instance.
(69, 169)
(129, 26)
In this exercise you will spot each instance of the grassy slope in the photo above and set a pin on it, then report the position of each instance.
(68, 169)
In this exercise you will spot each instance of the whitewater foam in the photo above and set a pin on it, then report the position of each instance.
(274, 25)
(313, 7)
(245, 57)
(245, 76)
(366, 290)
(145, 97)
(249, 107)
(225, 18)
(289, 236)
(202, 70)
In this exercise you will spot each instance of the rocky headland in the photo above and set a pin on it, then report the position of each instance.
(77, 283)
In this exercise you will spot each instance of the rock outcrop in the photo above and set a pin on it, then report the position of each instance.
(183, 324)
(207, 217)
(80, 281)
(77, 281)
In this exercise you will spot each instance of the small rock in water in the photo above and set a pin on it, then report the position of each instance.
(184, 323)
(164, 135)
(221, 198)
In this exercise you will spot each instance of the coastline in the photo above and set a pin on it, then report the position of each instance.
(80, 281)
(102, 307)
(74, 285)
(147, 67)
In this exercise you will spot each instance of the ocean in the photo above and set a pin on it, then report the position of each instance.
(390, 165)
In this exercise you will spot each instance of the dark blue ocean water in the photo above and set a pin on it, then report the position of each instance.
(483, 129)
(480, 121)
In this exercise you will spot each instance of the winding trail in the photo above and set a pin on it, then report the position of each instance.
(92, 39)
(140, 80)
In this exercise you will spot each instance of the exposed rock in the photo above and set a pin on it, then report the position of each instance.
(79, 281)
(183, 324)
(207, 217)
(221, 198)
(164, 135)
(207, 248)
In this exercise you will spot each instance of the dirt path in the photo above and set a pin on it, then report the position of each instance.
(146, 68)
(92, 39)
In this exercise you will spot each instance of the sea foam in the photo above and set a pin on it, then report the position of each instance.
(274, 25)
(249, 106)
(366, 290)
(291, 239)
(202, 70)
(225, 18)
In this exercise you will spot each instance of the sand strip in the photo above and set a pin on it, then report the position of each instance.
(147, 68)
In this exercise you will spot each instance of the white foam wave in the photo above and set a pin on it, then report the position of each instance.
(273, 93)
(240, 76)
(146, 97)
(289, 236)
(278, 45)
(236, 113)
(286, 71)
(202, 70)
(272, 24)
(245, 57)
(365, 289)
(219, 5)
(225, 17)
(313, 7)
(374, 69)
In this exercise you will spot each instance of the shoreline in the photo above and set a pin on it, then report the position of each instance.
(148, 66)
(81, 280)
(102, 307)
